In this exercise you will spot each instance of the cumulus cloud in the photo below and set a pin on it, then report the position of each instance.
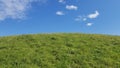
(94, 15)
(60, 13)
(14, 9)
(89, 24)
(71, 7)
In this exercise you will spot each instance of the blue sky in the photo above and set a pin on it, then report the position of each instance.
(59, 16)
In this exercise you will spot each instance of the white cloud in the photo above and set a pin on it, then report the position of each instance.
(84, 19)
(89, 24)
(71, 7)
(94, 15)
(61, 1)
(60, 13)
(14, 9)
(80, 18)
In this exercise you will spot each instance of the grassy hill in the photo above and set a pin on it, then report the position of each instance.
(60, 51)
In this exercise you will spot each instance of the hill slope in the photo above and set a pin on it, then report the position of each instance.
(60, 51)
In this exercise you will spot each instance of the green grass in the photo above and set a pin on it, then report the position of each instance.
(60, 51)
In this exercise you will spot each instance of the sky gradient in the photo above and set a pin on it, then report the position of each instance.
(59, 16)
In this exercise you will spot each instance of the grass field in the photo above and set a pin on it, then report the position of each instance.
(70, 50)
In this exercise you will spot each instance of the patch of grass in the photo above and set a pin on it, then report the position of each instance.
(60, 51)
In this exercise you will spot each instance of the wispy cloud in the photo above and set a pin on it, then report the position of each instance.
(14, 9)
(61, 1)
(94, 15)
(84, 19)
(80, 18)
(60, 13)
(89, 24)
(71, 7)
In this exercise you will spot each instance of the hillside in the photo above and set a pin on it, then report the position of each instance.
(60, 51)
